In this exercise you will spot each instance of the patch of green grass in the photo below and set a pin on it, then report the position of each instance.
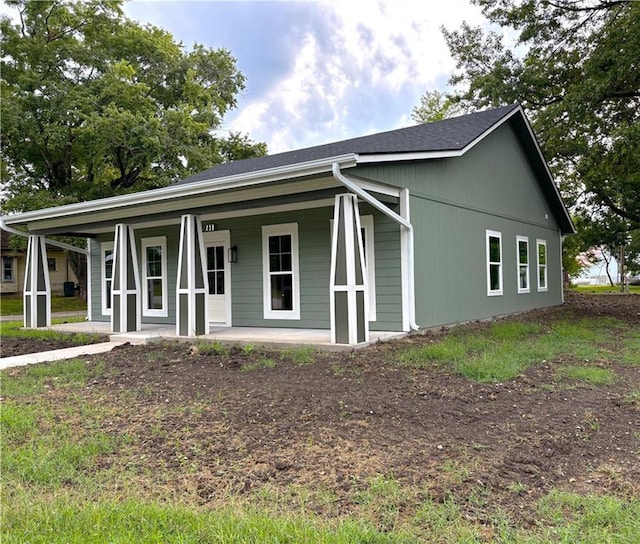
(590, 374)
(505, 349)
(631, 355)
(13, 304)
(32, 379)
(604, 289)
(134, 520)
(302, 355)
(13, 329)
(589, 519)
(633, 398)
(258, 364)
(212, 348)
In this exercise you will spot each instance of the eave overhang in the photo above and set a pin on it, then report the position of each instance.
(248, 185)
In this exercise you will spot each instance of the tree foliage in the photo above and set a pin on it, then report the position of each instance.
(436, 106)
(94, 104)
(574, 65)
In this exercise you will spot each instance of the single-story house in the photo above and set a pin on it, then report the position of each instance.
(14, 267)
(428, 225)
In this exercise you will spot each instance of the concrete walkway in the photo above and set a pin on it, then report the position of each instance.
(57, 354)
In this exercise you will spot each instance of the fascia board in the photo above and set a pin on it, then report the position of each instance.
(444, 154)
(190, 189)
(548, 172)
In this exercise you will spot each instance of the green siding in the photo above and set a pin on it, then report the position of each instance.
(453, 202)
(314, 237)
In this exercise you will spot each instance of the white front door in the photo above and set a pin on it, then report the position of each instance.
(219, 275)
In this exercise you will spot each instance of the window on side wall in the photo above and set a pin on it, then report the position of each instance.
(106, 261)
(154, 267)
(523, 263)
(494, 263)
(280, 268)
(542, 265)
(8, 269)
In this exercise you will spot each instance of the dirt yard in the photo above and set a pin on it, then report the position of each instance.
(235, 422)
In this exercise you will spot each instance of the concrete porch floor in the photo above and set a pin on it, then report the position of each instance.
(272, 337)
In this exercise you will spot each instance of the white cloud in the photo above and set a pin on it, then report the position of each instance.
(323, 70)
(360, 68)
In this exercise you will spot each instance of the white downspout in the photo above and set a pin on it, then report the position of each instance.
(353, 187)
(61, 245)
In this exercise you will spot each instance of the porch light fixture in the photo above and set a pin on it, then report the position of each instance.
(233, 254)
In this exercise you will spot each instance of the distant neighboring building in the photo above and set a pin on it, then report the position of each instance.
(595, 273)
(14, 264)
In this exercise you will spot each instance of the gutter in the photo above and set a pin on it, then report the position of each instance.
(194, 188)
(54, 243)
(353, 187)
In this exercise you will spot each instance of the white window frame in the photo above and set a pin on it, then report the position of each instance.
(104, 247)
(160, 241)
(12, 279)
(495, 292)
(520, 264)
(539, 267)
(290, 229)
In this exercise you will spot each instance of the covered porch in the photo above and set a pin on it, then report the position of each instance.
(241, 336)
(156, 263)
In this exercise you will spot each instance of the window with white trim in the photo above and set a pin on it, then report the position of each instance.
(522, 248)
(281, 276)
(154, 272)
(494, 263)
(106, 262)
(542, 264)
(8, 269)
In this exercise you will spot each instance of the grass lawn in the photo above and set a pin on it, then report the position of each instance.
(12, 304)
(594, 289)
(125, 448)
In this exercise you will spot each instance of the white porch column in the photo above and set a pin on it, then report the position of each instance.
(348, 288)
(37, 289)
(125, 285)
(192, 283)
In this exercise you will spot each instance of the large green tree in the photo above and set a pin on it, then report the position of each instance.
(574, 65)
(94, 104)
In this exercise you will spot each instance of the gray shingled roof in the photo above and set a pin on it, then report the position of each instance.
(447, 135)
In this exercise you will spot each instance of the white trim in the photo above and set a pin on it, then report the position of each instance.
(405, 263)
(367, 224)
(218, 237)
(372, 187)
(349, 204)
(545, 287)
(195, 188)
(251, 212)
(104, 247)
(154, 241)
(89, 279)
(285, 229)
(410, 250)
(191, 228)
(36, 246)
(422, 155)
(493, 292)
(125, 234)
(527, 289)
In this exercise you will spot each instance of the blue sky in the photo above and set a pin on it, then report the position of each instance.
(320, 71)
